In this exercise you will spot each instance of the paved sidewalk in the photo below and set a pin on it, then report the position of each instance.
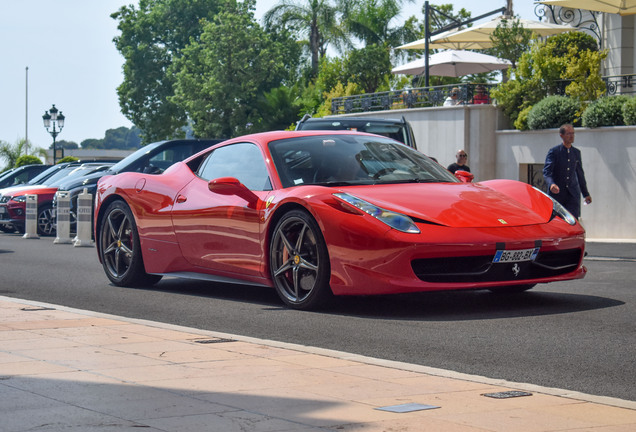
(70, 370)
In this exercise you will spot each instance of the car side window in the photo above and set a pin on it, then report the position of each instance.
(165, 158)
(243, 161)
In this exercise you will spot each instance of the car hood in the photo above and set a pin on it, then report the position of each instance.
(460, 205)
(89, 179)
(34, 190)
(21, 189)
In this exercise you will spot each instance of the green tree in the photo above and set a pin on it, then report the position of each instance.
(371, 21)
(314, 21)
(121, 138)
(220, 77)
(510, 40)
(92, 143)
(549, 69)
(10, 153)
(68, 145)
(152, 37)
(282, 105)
(369, 68)
(333, 70)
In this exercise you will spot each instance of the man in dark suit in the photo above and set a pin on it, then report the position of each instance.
(563, 172)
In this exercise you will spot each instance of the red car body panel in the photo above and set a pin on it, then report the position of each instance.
(186, 228)
(17, 209)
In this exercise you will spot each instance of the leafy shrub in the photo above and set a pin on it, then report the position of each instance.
(606, 111)
(629, 111)
(27, 160)
(552, 112)
(522, 121)
(67, 159)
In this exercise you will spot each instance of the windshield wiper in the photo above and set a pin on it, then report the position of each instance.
(338, 183)
(412, 180)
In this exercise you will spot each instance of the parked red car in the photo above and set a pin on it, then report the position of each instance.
(316, 213)
(13, 200)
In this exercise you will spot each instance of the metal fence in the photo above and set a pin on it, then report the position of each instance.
(422, 97)
(419, 97)
(620, 84)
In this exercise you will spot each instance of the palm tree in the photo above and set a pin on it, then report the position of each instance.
(11, 152)
(316, 20)
(370, 21)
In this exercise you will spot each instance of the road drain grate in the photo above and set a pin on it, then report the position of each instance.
(36, 309)
(507, 394)
(213, 341)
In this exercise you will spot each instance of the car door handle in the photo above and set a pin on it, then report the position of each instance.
(181, 199)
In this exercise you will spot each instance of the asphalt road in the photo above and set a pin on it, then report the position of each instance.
(578, 335)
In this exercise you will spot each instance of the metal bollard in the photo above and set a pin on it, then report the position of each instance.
(84, 219)
(31, 218)
(63, 218)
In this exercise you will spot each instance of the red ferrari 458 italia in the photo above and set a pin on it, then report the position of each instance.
(321, 213)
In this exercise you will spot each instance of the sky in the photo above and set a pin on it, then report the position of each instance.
(73, 63)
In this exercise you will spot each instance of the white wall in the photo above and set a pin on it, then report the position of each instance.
(609, 162)
(609, 157)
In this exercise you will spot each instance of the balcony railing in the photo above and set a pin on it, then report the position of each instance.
(620, 84)
(401, 99)
(421, 97)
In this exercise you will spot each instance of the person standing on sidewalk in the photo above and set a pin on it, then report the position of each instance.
(563, 172)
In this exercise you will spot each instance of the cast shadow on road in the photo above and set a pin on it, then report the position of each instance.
(428, 306)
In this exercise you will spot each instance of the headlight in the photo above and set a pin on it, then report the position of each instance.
(395, 220)
(559, 210)
(19, 198)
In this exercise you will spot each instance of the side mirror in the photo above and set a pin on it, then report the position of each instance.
(464, 176)
(232, 186)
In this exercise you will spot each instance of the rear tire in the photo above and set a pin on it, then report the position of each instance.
(120, 250)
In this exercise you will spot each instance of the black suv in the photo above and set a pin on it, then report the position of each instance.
(153, 158)
(398, 129)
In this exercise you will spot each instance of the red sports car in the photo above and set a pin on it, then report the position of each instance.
(315, 213)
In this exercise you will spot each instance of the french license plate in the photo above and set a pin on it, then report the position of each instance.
(507, 256)
(3, 212)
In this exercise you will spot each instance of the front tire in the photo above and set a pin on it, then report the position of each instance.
(299, 262)
(120, 250)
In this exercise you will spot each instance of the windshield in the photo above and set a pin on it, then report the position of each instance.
(75, 172)
(45, 174)
(333, 160)
(123, 165)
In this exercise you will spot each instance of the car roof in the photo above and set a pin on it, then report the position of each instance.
(352, 120)
(124, 164)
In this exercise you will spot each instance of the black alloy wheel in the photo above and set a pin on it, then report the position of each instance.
(120, 250)
(299, 261)
(46, 224)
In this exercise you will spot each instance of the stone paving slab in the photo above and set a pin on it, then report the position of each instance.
(73, 370)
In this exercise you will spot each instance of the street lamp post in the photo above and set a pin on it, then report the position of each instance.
(52, 119)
